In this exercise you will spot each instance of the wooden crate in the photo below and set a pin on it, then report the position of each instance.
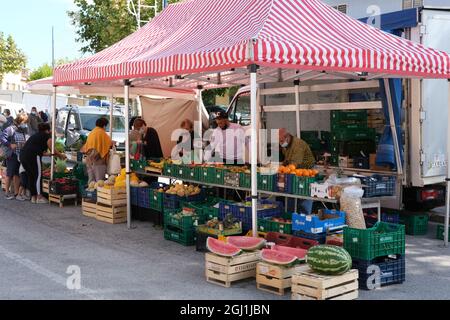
(273, 278)
(114, 197)
(223, 270)
(89, 209)
(307, 285)
(61, 200)
(111, 214)
(45, 186)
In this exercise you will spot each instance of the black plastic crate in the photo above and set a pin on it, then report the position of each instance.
(378, 185)
(392, 271)
(319, 237)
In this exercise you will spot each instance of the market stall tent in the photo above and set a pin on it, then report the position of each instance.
(211, 43)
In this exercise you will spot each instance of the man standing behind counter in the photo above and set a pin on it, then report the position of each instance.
(295, 151)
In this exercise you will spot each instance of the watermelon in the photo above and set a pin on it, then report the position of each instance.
(247, 243)
(330, 260)
(221, 248)
(277, 257)
(298, 252)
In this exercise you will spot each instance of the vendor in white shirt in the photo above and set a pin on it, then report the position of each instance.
(227, 142)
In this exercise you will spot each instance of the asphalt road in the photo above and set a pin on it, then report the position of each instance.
(39, 243)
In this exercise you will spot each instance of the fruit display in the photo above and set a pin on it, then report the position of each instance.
(247, 243)
(292, 169)
(278, 257)
(221, 248)
(182, 190)
(120, 181)
(60, 166)
(228, 223)
(329, 260)
(239, 169)
(298, 252)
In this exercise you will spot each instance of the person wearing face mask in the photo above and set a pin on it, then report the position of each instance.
(13, 139)
(295, 151)
(97, 149)
(227, 142)
(9, 119)
(33, 121)
(150, 144)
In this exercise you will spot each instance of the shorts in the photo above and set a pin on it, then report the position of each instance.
(12, 166)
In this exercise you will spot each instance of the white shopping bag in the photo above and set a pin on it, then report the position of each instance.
(114, 166)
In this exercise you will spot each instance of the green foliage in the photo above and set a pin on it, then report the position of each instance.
(102, 23)
(209, 96)
(46, 70)
(12, 59)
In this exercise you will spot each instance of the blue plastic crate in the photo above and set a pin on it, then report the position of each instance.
(390, 217)
(225, 208)
(319, 237)
(378, 185)
(134, 196)
(144, 197)
(284, 182)
(244, 213)
(392, 270)
(313, 223)
(173, 201)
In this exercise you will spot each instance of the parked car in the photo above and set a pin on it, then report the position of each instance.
(75, 122)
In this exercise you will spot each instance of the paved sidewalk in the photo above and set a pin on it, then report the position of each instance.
(39, 243)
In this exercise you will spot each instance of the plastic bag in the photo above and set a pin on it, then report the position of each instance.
(350, 202)
(114, 166)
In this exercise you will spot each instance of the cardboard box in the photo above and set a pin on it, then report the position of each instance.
(373, 165)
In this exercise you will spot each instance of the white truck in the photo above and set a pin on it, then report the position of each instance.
(424, 121)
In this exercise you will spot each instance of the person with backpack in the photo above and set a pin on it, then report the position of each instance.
(13, 139)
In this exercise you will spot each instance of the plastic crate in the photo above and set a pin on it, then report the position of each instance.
(440, 232)
(302, 185)
(339, 116)
(392, 270)
(353, 134)
(353, 148)
(390, 217)
(332, 219)
(382, 240)
(69, 186)
(134, 196)
(225, 209)
(281, 227)
(265, 225)
(245, 180)
(378, 185)
(244, 213)
(298, 242)
(191, 173)
(355, 125)
(231, 178)
(173, 201)
(168, 170)
(184, 237)
(183, 222)
(138, 165)
(212, 175)
(284, 182)
(144, 198)
(321, 238)
(415, 225)
(267, 182)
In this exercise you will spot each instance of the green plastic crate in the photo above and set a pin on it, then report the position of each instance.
(302, 185)
(382, 239)
(184, 223)
(356, 115)
(156, 200)
(354, 134)
(191, 173)
(360, 125)
(285, 228)
(334, 160)
(264, 225)
(415, 225)
(138, 165)
(267, 182)
(245, 180)
(211, 175)
(184, 237)
(440, 232)
(168, 170)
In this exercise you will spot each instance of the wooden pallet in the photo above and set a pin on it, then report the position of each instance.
(114, 197)
(61, 200)
(307, 285)
(89, 209)
(45, 186)
(272, 278)
(223, 270)
(111, 214)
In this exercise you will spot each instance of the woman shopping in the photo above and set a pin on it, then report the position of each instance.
(31, 156)
(97, 149)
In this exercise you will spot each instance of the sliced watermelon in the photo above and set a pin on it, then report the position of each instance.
(247, 243)
(277, 257)
(298, 252)
(221, 248)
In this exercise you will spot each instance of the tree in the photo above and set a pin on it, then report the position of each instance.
(102, 23)
(46, 70)
(12, 59)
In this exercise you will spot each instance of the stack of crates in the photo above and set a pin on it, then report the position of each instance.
(415, 224)
(350, 136)
(378, 251)
(317, 226)
(181, 228)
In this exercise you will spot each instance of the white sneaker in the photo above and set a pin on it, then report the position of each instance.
(20, 198)
(9, 196)
(41, 201)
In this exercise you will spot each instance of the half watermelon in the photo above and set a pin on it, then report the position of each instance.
(247, 243)
(277, 257)
(298, 252)
(221, 248)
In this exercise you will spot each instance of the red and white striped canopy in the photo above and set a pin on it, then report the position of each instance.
(211, 36)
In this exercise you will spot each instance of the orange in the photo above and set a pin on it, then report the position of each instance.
(291, 168)
(281, 169)
(299, 172)
(315, 172)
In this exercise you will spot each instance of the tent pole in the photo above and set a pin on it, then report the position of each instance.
(53, 133)
(127, 84)
(200, 121)
(254, 148)
(447, 200)
(297, 105)
(393, 126)
(111, 111)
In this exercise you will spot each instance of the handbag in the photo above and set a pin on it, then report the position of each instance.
(114, 166)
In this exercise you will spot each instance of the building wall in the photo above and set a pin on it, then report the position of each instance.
(14, 81)
(359, 8)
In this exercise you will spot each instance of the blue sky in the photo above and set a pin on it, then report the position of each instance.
(30, 23)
